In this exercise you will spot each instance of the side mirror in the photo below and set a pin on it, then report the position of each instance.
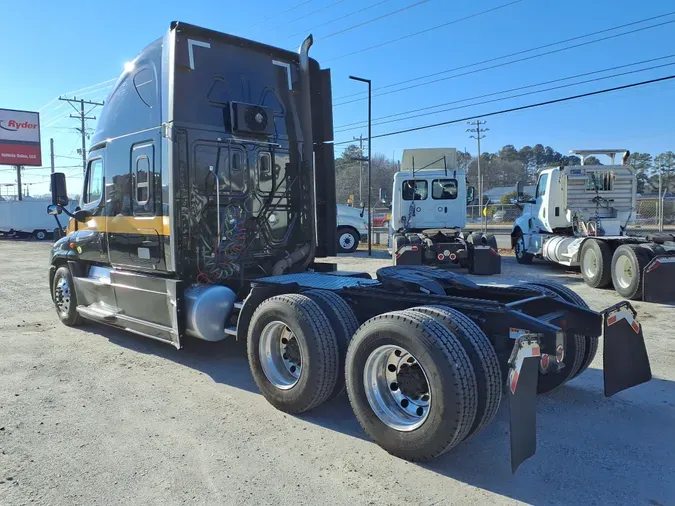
(363, 209)
(59, 191)
(383, 196)
(470, 194)
(520, 189)
(54, 210)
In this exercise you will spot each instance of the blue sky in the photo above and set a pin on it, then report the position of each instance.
(51, 48)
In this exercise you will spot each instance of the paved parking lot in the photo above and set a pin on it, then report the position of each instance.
(97, 416)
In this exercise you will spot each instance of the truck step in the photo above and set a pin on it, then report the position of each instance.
(99, 311)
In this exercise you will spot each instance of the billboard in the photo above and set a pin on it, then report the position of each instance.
(20, 138)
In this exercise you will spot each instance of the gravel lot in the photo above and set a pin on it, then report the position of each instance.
(98, 416)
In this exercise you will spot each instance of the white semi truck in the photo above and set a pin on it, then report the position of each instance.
(579, 217)
(428, 215)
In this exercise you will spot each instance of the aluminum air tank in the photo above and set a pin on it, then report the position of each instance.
(555, 248)
(207, 308)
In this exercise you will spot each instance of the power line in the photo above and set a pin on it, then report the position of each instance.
(497, 58)
(280, 13)
(308, 14)
(442, 25)
(55, 99)
(587, 81)
(520, 108)
(364, 23)
(338, 19)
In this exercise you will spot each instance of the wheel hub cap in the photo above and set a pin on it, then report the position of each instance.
(397, 388)
(62, 295)
(590, 263)
(346, 241)
(280, 355)
(624, 271)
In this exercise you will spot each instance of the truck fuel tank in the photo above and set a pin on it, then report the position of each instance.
(207, 308)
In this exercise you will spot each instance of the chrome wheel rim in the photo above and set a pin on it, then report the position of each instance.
(520, 247)
(62, 295)
(280, 355)
(590, 263)
(397, 388)
(346, 241)
(623, 270)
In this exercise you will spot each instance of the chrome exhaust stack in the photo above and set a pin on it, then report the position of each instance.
(305, 110)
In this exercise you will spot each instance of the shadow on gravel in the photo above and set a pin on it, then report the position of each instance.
(591, 449)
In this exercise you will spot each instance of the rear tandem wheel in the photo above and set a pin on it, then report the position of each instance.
(411, 385)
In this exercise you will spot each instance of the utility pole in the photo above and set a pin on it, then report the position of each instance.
(360, 169)
(83, 117)
(51, 153)
(477, 135)
(659, 206)
(370, 165)
(18, 180)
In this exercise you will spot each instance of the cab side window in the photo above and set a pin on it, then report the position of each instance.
(93, 190)
(541, 185)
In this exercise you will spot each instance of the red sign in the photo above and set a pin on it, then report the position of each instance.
(20, 138)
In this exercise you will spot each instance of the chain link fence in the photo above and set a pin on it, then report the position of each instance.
(651, 215)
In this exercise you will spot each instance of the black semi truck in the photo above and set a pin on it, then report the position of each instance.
(209, 197)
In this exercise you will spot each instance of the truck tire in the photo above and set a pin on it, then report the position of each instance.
(568, 295)
(595, 261)
(347, 240)
(344, 323)
(293, 352)
(65, 298)
(56, 234)
(573, 357)
(491, 241)
(40, 235)
(411, 385)
(628, 264)
(482, 356)
(475, 238)
(522, 256)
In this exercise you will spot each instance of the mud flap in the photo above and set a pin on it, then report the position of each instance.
(658, 282)
(625, 360)
(522, 392)
(408, 255)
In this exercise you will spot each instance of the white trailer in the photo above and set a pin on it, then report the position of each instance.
(28, 218)
(579, 217)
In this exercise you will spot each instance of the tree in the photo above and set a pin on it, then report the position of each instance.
(664, 164)
(507, 198)
(592, 160)
(642, 166)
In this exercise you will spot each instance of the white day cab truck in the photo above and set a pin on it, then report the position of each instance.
(352, 228)
(21, 219)
(208, 203)
(579, 217)
(428, 215)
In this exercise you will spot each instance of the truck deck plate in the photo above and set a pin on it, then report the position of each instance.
(319, 280)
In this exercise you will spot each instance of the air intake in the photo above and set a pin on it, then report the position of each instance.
(250, 119)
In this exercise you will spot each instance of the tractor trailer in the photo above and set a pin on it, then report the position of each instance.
(579, 217)
(428, 215)
(208, 204)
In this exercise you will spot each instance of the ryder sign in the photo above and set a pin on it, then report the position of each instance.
(20, 138)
